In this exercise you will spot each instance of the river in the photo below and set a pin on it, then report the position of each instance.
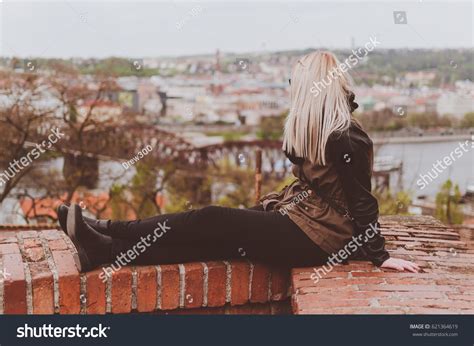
(418, 158)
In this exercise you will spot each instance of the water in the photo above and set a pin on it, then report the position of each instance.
(418, 158)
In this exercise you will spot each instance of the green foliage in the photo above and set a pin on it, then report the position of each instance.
(468, 120)
(116, 67)
(271, 127)
(228, 136)
(427, 120)
(384, 120)
(116, 202)
(138, 195)
(186, 191)
(387, 120)
(393, 205)
(142, 190)
(448, 204)
(450, 65)
(235, 185)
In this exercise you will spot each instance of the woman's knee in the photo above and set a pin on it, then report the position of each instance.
(210, 211)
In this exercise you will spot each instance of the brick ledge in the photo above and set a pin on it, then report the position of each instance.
(446, 285)
(41, 278)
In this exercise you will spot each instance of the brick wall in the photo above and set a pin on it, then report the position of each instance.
(444, 286)
(41, 278)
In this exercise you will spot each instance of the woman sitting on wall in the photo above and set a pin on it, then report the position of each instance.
(335, 218)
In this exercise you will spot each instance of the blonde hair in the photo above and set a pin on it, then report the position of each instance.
(318, 107)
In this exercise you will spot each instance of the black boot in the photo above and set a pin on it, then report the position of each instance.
(62, 216)
(93, 248)
(101, 226)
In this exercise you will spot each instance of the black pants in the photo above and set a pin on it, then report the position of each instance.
(216, 233)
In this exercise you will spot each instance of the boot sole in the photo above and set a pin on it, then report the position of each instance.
(74, 218)
(63, 225)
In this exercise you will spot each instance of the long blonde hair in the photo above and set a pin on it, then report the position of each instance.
(319, 105)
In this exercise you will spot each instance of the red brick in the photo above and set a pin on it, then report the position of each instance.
(465, 289)
(466, 281)
(57, 244)
(50, 234)
(146, 288)
(350, 310)
(433, 311)
(95, 292)
(194, 285)
(280, 283)
(408, 281)
(425, 294)
(216, 288)
(169, 286)
(122, 291)
(468, 297)
(409, 288)
(194, 311)
(29, 234)
(308, 275)
(240, 283)
(355, 265)
(260, 283)
(31, 242)
(313, 301)
(14, 296)
(281, 308)
(396, 275)
(8, 237)
(339, 282)
(428, 303)
(384, 310)
(9, 248)
(69, 283)
(249, 309)
(42, 287)
(342, 295)
(34, 254)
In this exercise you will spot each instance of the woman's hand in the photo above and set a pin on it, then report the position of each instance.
(400, 265)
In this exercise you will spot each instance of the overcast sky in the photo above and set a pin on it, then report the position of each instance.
(148, 29)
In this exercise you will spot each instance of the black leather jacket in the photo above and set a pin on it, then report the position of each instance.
(351, 152)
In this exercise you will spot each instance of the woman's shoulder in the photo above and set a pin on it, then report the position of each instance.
(353, 135)
(352, 142)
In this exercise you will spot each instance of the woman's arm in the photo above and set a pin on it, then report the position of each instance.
(351, 156)
(351, 153)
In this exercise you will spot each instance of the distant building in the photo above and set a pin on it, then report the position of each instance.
(459, 102)
(419, 77)
(456, 104)
(101, 110)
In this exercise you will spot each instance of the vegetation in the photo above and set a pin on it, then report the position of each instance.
(448, 204)
(385, 66)
(393, 205)
(271, 127)
(387, 120)
(228, 136)
(468, 120)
